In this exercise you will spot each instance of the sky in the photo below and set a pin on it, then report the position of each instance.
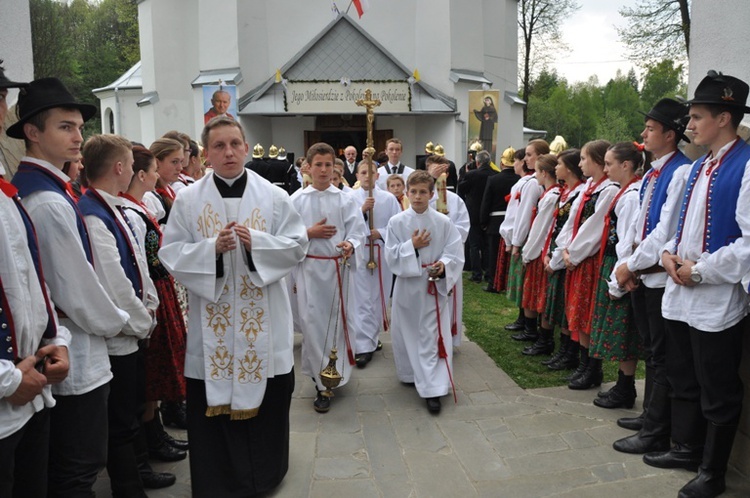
(594, 46)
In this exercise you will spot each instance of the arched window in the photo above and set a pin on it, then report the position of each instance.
(109, 117)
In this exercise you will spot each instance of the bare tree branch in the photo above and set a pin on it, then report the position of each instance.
(656, 30)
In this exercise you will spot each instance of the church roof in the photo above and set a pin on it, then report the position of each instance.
(130, 79)
(343, 50)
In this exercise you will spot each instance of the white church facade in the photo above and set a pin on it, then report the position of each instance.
(298, 68)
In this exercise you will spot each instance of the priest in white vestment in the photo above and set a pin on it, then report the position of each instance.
(231, 239)
(422, 243)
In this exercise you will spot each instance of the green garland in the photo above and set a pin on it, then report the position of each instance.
(286, 109)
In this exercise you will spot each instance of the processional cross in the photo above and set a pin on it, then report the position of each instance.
(369, 104)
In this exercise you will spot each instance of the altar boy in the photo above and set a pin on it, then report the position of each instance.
(422, 243)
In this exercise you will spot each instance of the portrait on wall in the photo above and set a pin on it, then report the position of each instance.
(483, 118)
(219, 100)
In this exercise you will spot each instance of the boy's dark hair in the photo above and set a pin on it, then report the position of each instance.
(218, 122)
(735, 114)
(435, 159)
(395, 178)
(319, 149)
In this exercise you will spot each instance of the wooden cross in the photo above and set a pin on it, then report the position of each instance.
(369, 104)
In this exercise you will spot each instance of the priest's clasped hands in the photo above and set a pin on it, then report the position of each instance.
(230, 234)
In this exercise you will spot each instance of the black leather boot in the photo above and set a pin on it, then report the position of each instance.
(583, 364)
(710, 479)
(689, 436)
(636, 423)
(530, 332)
(174, 414)
(622, 395)
(564, 341)
(654, 435)
(570, 359)
(149, 478)
(544, 344)
(161, 446)
(518, 324)
(591, 377)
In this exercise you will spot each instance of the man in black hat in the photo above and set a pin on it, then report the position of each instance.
(704, 301)
(34, 353)
(50, 123)
(661, 193)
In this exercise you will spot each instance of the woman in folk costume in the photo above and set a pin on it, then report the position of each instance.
(536, 279)
(164, 356)
(578, 248)
(570, 176)
(169, 154)
(231, 239)
(528, 196)
(614, 336)
(503, 251)
(421, 244)
(336, 229)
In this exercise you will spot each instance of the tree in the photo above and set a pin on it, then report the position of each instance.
(539, 21)
(622, 100)
(661, 80)
(614, 127)
(657, 29)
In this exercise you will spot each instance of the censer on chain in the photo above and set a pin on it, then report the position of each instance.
(330, 376)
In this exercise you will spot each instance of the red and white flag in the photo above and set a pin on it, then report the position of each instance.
(362, 6)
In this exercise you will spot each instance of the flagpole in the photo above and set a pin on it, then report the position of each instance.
(349, 7)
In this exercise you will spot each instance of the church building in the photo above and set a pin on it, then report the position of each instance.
(297, 69)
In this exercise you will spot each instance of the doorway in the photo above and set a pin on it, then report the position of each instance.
(341, 131)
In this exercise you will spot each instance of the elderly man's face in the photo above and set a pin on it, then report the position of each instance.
(350, 153)
(221, 102)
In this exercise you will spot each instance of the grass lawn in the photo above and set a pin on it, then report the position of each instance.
(486, 314)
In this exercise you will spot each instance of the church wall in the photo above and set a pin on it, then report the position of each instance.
(718, 43)
(433, 38)
(468, 34)
(217, 27)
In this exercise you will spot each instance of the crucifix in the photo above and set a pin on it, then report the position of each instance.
(369, 104)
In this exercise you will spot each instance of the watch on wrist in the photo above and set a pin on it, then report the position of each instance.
(695, 275)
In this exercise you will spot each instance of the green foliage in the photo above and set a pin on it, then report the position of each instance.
(87, 44)
(587, 111)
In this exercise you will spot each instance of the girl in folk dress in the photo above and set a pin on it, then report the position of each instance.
(535, 281)
(526, 198)
(578, 248)
(570, 176)
(613, 334)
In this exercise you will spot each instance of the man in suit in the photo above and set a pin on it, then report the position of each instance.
(471, 187)
(393, 149)
(350, 165)
(492, 211)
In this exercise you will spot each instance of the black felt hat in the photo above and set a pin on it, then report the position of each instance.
(6, 83)
(721, 89)
(672, 114)
(43, 94)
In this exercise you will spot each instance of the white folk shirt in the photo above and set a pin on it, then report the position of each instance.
(719, 301)
(541, 225)
(383, 172)
(369, 290)
(506, 228)
(117, 285)
(414, 314)
(251, 307)
(588, 239)
(530, 194)
(26, 302)
(648, 252)
(626, 210)
(318, 303)
(74, 288)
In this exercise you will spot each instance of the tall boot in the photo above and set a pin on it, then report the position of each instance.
(591, 377)
(570, 360)
(530, 332)
(518, 324)
(622, 395)
(583, 364)
(689, 436)
(123, 472)
(174, 414)
(636, 423)
(149, 478)
(564, 340)
(654, 435)
(545, 344)
(161, 446)
(710, 479)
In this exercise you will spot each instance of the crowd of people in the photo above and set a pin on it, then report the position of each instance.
(135, 278)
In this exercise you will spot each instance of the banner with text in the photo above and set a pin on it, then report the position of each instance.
(321, 97)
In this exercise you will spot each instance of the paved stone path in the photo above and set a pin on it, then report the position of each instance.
(378, 440)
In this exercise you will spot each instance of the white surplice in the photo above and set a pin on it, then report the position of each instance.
(317, 280)
(368, 289)
(414, 313)
(240, 326)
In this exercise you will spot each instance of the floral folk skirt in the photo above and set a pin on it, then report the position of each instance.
(515, 280)
(535, 286)
(579, 294)
(554, 308)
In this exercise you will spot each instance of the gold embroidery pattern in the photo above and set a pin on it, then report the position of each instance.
(221, 364)
(250, 369)
(209, 222)
(257, 222)
(218, 317)
(252, 323)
